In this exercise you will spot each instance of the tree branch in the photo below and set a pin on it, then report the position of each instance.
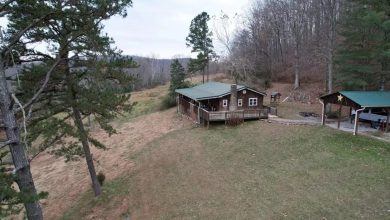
(18, 35)
(6, 162)
(58, 137)
(5, 4)
(6, 143)
(47, 78)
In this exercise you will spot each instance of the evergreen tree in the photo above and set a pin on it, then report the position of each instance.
(200, 40)
(10, 197)
(75, 37)
(177, 77)
(9, 109)
(364, 56)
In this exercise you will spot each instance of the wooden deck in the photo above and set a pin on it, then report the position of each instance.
(203, 116)
(226, 115)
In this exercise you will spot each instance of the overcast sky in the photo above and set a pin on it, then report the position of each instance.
(159, 28)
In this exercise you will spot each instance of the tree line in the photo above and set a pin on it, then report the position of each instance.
(341, 43)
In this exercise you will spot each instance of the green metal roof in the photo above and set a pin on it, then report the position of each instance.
(210, 90)
(369, 98)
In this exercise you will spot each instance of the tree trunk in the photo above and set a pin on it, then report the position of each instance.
(20, 160)
(330, 71)
(88, 156)
(208, 71)
(203, 72)
(80, 126)
(296, 68)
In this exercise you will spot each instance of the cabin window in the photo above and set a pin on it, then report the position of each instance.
(252, 101)
(239, 102)
(224, 103)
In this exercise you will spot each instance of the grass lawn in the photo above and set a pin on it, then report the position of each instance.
(290, 110)
(255, 171)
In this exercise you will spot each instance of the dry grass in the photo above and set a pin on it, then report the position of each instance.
(254, 171)
(66, 181)
(290, 110)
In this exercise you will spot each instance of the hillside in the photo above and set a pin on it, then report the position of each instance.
(254, 171)
(161, 166)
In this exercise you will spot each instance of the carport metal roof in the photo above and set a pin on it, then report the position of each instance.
(361, 99)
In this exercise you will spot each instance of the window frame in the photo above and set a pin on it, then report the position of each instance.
(253, 102)
(224, 103)
(239, 102)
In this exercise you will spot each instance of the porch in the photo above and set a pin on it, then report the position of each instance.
(226, 115)
(203, 116)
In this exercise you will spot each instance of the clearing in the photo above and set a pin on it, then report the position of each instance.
(160, 166)
(254, 171)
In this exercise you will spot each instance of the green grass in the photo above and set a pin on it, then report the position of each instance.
(142, 107)
(290, 110)
(253, 171)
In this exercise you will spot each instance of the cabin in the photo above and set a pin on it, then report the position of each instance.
(215, 101)
(362, 106)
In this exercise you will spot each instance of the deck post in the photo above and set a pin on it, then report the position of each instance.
(339, 116)
(178, 104)
(323, 113)
(199, 113)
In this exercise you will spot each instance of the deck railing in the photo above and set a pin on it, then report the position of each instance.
(225, 115)
(201, 114)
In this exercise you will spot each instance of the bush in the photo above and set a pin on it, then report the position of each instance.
(234, 120)
(101, 177)
(168, 102)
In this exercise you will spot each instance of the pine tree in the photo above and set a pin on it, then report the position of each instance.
(200, 40)
(10, 198)
(74, 93)
(364, 55)
(177, 77)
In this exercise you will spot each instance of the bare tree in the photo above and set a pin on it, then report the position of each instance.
(279, 34)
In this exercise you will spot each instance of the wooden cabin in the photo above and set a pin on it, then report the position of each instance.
(215, 101)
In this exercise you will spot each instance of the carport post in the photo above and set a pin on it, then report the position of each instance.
(339, 116)
(387, 120)
(355, 128)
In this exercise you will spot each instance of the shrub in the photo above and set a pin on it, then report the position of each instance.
(101, 177)
(234, 120)
(168, 102)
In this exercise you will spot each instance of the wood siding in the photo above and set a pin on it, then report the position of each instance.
(217, 104)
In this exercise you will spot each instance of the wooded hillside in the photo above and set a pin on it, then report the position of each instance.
(313, 41)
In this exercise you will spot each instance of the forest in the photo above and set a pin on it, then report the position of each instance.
(341, 43)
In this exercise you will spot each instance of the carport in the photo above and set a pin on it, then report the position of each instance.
(357, 101)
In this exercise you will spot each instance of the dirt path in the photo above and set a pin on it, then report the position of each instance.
(66, 181)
